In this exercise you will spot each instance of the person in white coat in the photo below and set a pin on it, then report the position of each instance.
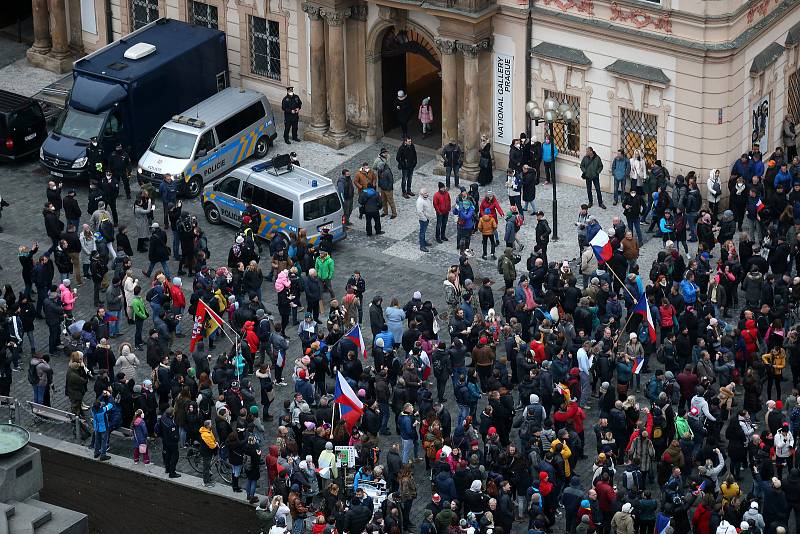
(425, 214)
(725, 528)
(714, 193)
(784, 445)
(638, 171)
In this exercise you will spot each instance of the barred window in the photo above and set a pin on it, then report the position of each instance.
(143, 12)
(567, 136)
(639, 130)
(265, 48)
(202, 14)
(794, 95)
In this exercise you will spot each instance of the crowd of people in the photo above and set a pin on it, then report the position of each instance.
(599, 395)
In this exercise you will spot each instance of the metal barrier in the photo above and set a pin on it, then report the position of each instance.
(11, 404)
(46, 412)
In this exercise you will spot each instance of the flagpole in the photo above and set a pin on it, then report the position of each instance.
(625, 326)
(621, 283)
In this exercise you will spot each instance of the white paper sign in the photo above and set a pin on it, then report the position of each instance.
(503, 90)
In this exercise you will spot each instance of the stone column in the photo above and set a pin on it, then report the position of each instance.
(58, 29)
(319, 102)
(447, 49)
(471, 103)
(41, 27)
(337, 133)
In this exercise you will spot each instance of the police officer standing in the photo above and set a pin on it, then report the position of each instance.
(95, 197)
(291, 105)
(95, 160)
(120, 164)
(110, 189)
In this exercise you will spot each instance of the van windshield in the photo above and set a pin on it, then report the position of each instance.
(321, 207)
(173, 144)
(79, 124)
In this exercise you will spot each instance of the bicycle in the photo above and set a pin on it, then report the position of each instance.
(220, 465)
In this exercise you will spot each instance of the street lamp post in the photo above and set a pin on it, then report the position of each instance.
(553, 113)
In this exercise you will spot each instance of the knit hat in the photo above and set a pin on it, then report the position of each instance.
(745, 525)
(302, 374)
(483, 340)
(239, 239)
(779, 405)
(436, 498)
(492, 431)
(754, 505)
(627, 507)
(417, 295)
(475, 486)
(585, 503)
(254, 409)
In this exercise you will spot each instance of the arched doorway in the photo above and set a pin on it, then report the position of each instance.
(409, 61)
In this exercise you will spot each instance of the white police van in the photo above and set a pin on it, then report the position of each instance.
(287, 196)
(209, 139)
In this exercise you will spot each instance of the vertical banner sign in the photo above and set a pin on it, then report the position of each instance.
(503, 90)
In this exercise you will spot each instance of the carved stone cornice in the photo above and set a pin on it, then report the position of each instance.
(314, 11)
(473, 49)
(640, 18)
(446, 46)
(359, 12)
(335, 17)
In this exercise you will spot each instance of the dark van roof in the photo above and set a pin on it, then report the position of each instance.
(172, 39)
(12, 101)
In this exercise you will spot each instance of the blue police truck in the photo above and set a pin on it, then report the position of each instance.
(124, 92)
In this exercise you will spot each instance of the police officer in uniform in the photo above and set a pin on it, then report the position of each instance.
(110, 189)
(291, 105)
(95, 160)
(120, 164)
(95, 196)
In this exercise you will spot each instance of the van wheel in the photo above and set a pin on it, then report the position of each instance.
(262, 147)
(194, 187)
(212, 214)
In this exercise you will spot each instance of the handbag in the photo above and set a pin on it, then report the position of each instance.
(143, 448)
(483, 162)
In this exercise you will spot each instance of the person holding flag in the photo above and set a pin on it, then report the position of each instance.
(350, 408)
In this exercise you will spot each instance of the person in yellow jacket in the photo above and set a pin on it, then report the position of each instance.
(559, 446)
(729, 489)
(774, 361)
(208, 448)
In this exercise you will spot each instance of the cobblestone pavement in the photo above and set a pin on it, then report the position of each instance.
(391, 264)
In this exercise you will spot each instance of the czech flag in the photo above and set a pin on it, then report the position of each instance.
(350, 406)
(701, 488)
(643, 309)
(426, 365)
(355, 336)
(601, 246)
(662, 522)
(759, 206)
(637, 365)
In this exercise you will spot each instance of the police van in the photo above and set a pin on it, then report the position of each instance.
(288, 197)
(210, 139)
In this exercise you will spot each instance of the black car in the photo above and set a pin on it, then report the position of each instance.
(23, 128)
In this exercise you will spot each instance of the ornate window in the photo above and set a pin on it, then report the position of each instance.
(639, 130)
(143, 12)
(265, 47)
(793, 107)
(567, 136)
(203, 14)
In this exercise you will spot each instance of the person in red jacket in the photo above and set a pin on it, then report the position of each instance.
(178, 302)
(701, 520)
(687, 381)
(441, 205)
(570, 411)
(250, 336)
(490, 202)
(606, 498)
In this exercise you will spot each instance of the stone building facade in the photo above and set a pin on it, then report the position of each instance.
(691, 83)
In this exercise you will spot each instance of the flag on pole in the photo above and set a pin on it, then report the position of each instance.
(199, 322)
(601, 246)
(350, 406)
(662, 522)
(638, 363)
(643, 309)
(354, 335)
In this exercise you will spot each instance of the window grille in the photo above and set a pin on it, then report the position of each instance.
(143, 12)
(202, 14)
(567, 136)
(639, 130)
(265, 48)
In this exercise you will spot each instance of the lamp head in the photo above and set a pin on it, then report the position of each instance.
(550, 104)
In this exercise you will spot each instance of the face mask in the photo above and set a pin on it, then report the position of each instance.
(291, 93)
(94, 143)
